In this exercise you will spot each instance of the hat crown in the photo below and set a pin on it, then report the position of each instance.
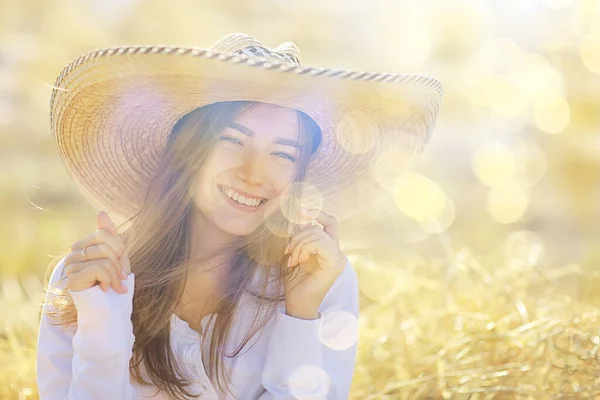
(240, 43)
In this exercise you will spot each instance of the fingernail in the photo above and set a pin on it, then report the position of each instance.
(124, 288)
(287, 248)
(123, 276)
(289, 263)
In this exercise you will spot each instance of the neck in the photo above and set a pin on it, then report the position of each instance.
(203, 287)
(206, 238)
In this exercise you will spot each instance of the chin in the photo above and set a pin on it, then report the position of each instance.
(237, 229)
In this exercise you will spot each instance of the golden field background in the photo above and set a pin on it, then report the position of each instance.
(478, 270)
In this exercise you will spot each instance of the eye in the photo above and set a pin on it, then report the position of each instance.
(287, 156)
(231, 139)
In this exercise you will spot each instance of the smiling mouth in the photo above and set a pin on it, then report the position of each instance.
(238, 199)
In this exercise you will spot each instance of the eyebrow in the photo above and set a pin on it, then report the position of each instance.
(248, 132)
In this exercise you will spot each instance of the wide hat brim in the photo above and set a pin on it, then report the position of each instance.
(113, 109)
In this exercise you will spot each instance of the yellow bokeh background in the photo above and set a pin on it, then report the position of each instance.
(478, 264)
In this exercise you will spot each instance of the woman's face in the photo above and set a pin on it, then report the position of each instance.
(253, 162)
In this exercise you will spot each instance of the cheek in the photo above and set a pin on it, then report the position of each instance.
(281, 183)
(202, 196)
(217, 164)
(204, 193)
(281, 177)
(220, 160)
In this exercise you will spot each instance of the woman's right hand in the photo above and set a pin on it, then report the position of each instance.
(106, 262)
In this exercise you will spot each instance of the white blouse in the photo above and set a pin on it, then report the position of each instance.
(291, 358)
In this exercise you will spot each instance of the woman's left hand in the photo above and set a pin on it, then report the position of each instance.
(316, 254)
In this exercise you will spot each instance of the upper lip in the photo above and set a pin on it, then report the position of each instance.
(246, 195)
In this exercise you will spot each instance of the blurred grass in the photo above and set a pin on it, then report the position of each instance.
(18, 335)
(31, 237)
(429, 328)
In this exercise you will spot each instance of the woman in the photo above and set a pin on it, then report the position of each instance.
(223, 285)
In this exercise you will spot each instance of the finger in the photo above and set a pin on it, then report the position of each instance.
(299, 228)
(305, 250)
(302, 227)
(95, 252)
(301, 235)
(71, 269)
(103, 250)
(100, 236)
(103, 221)
(304, 255)
(329, 222)
(126, 264)
(88, 276)
(86, 241)
(297, 247)
(115, 281)
(85, 274)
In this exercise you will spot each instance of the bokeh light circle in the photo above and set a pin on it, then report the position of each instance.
(365, 132)
(557, 4)
(389, 168)
(539, 76)
(419, 197)
(407, 229)
(507, 203)
(531, 163)
(310, 197)
(523, 248)
(551, 113)
(339, 330)
(309, 382)
(380, 284)
(444, 221)
(589, 51)
(494, 164)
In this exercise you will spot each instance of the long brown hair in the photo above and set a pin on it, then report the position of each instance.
(157, 241)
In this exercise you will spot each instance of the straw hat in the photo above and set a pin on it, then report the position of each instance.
(112, 109)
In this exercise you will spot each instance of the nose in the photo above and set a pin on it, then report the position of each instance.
(251, 170)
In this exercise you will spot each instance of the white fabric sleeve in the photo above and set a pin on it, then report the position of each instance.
(90, 361)
(315, 359)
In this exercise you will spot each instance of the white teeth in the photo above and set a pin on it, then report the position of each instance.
(241, 199)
